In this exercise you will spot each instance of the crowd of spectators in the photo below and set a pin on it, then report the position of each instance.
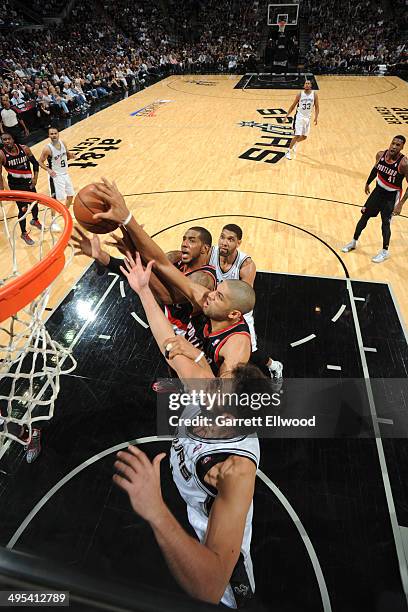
(105, 48)
(9, 17)
(352, 37)
(48, 8)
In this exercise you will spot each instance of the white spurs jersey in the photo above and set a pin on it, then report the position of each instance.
(58, 160)
(233, 274)
(191, 458)
(305, 105)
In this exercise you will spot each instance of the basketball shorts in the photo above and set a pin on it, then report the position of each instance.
(381, 201)
(302, 125)
(60, 187)
(21, 185)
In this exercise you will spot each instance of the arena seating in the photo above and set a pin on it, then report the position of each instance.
(106, 49)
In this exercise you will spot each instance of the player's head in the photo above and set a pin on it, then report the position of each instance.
(240, 396)
(196, 241)
(308, 85)
(229, 301)
(230, 239)
(397, 144)
(53, 133)
(8, 140)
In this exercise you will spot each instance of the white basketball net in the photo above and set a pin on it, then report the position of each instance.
(31, 362)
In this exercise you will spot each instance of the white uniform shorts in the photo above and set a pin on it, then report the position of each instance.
(61, 187)
(302, 125)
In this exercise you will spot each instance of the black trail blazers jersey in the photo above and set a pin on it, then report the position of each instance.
(214, 341)
(179, 314)
(18, 166)
(389, 176)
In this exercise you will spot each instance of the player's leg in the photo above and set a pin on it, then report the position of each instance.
(69, 190)
(370, 209)
(33, 446)
(299, 130)
(266, 364)
(57, 191)
(292, 146)
(305, 130)
(386, 217)
(34, 211)
(22, 209)
(261, 358)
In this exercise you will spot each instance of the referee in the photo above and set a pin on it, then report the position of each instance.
(11, 123)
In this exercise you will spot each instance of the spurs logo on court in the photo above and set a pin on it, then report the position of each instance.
(88, 149)
(266, 127)
(279, 135)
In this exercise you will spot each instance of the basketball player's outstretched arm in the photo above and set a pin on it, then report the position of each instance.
(147, 248)
(202, 570)
(91, 247)
(160, 326)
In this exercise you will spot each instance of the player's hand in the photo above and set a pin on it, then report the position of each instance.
(140, 478)
(138, 277)
(110, 194)
(315, 121)
(124, 244)
(91, 247)
(178, 345)
(51, 172)
(397, 210)
(367, 189)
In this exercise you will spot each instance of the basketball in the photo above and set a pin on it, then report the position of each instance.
(87, 204)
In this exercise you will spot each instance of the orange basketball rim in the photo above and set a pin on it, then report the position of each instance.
(19, 292)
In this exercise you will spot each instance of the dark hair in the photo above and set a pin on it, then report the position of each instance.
(205, 235)
(53, 127)
(400, 137)
(231, 227)
(247, 382)
(7, 134)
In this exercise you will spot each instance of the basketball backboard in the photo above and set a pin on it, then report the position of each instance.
(283, 12)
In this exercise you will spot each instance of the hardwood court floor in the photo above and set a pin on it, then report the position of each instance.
(180, 160)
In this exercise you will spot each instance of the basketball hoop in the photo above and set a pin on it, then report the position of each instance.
(30, 360)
